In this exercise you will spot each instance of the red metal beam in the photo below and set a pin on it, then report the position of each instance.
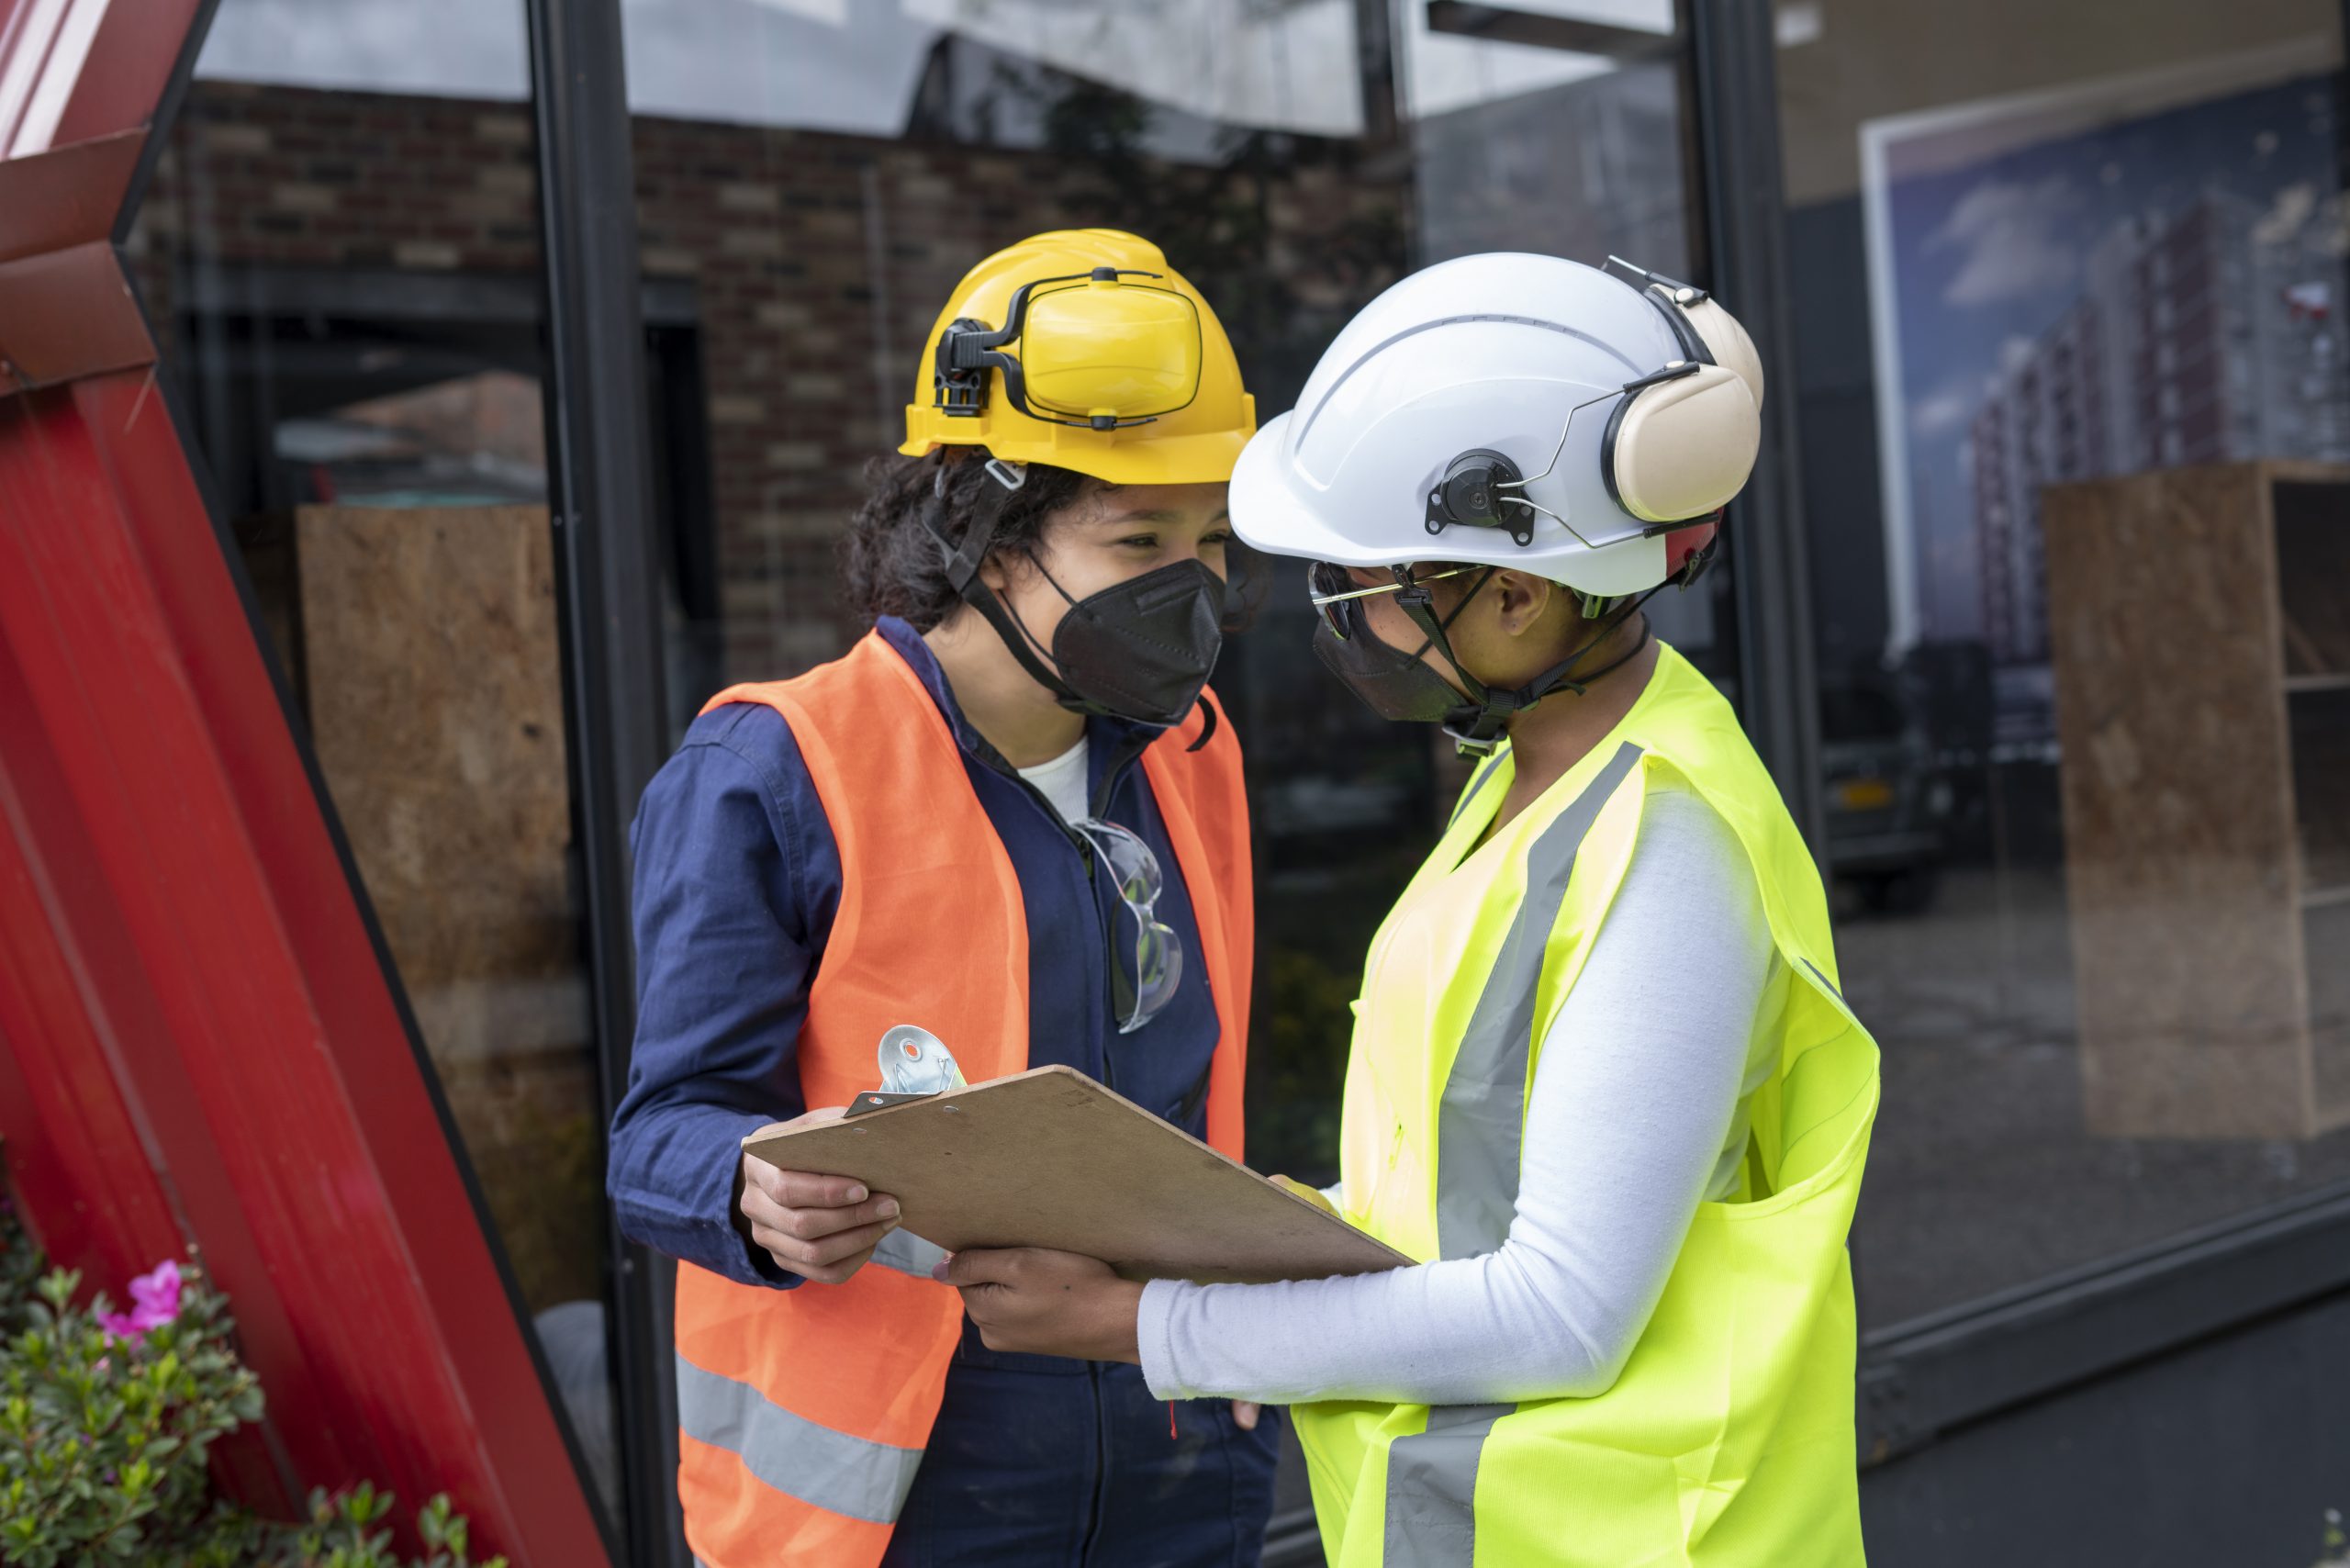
(199, 1044)
(68, 314)
(51, 200)
(204, 941)
(83, 69)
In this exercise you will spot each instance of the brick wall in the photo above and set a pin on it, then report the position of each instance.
(817, 263)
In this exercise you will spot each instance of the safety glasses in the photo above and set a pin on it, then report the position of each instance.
(1333, 589)
(1091, 349)
(1158, 952)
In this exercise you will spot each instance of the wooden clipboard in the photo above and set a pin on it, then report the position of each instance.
(1049, 1158)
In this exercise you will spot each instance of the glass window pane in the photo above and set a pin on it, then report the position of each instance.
(341, 258)
(815, 177)
(2075, 424)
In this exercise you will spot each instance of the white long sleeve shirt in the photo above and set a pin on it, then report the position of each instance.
(1637, 1113)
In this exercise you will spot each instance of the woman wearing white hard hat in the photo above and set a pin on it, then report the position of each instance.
(1602, 1082)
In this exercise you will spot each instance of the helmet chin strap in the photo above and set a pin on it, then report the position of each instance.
(963, 562)
(1477, 725)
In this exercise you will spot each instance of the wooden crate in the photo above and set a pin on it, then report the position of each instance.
(2201, 623)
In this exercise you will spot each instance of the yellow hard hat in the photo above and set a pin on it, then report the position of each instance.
(1083, 349)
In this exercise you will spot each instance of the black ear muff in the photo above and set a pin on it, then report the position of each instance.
(1469, 496)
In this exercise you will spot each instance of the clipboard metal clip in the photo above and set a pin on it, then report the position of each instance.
(915, 1064)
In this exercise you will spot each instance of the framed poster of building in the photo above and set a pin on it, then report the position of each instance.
(2137, 272)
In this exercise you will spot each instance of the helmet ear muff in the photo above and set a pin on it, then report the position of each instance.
(1681, 448)
(1727, 343)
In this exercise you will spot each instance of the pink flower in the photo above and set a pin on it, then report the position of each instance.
(159, 1291)
(156, 1300)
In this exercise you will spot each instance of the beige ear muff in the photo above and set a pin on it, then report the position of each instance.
(1727, 343)
(1684, 447)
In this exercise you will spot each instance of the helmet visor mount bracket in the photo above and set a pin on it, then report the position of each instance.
(1469, 496)
(968, 349)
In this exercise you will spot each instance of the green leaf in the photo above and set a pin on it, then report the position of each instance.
(432, 1522)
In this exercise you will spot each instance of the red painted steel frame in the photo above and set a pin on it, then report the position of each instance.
(199, 1045)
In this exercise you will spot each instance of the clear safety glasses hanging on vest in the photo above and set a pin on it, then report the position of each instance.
(1091, 350)
(1158, 952)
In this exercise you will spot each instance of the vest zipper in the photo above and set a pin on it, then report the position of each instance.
(1101, 1469)
(1090, 859)
(1110, 777)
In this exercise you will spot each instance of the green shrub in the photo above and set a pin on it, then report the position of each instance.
(106, 1420)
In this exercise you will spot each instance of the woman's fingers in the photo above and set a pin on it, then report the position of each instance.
(1245, 1413)
(803, 1188)
(1311, 1194)
(806, 1222)
(828, 1258)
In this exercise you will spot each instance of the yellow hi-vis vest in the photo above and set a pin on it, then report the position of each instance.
(1728, 1438)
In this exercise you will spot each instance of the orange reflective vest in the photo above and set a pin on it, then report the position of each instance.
(803, 1413)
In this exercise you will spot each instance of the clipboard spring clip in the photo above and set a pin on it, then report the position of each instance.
(915, 1064)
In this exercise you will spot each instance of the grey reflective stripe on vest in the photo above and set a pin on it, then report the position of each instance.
(908, 1254)
(1432, 1476)
(1823, 979)
(1432, 1488)
(1476, 782)
(854, 1477)
(1483, 1118)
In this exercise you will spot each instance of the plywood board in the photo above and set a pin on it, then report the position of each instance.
(1048, 1158)
(2178, 819)
(426, 640)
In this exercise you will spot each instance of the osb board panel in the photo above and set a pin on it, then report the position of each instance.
(2177, 805)
(2313, 577)
(1048, 1158)
(432, 665)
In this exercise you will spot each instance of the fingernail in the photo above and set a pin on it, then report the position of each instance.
(888, 1208)
(938, 1272)
(856, 1194)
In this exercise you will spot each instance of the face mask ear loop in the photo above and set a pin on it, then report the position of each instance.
(1207, 723)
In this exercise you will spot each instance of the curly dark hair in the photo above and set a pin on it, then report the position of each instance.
(891, 565)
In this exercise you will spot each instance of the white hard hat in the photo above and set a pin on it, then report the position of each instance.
(1438, 427)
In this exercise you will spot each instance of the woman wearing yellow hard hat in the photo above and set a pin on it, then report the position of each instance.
(1012, 816)
(1603, 1086)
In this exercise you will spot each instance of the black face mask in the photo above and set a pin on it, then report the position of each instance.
(1140, 649)
(1396, 685)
